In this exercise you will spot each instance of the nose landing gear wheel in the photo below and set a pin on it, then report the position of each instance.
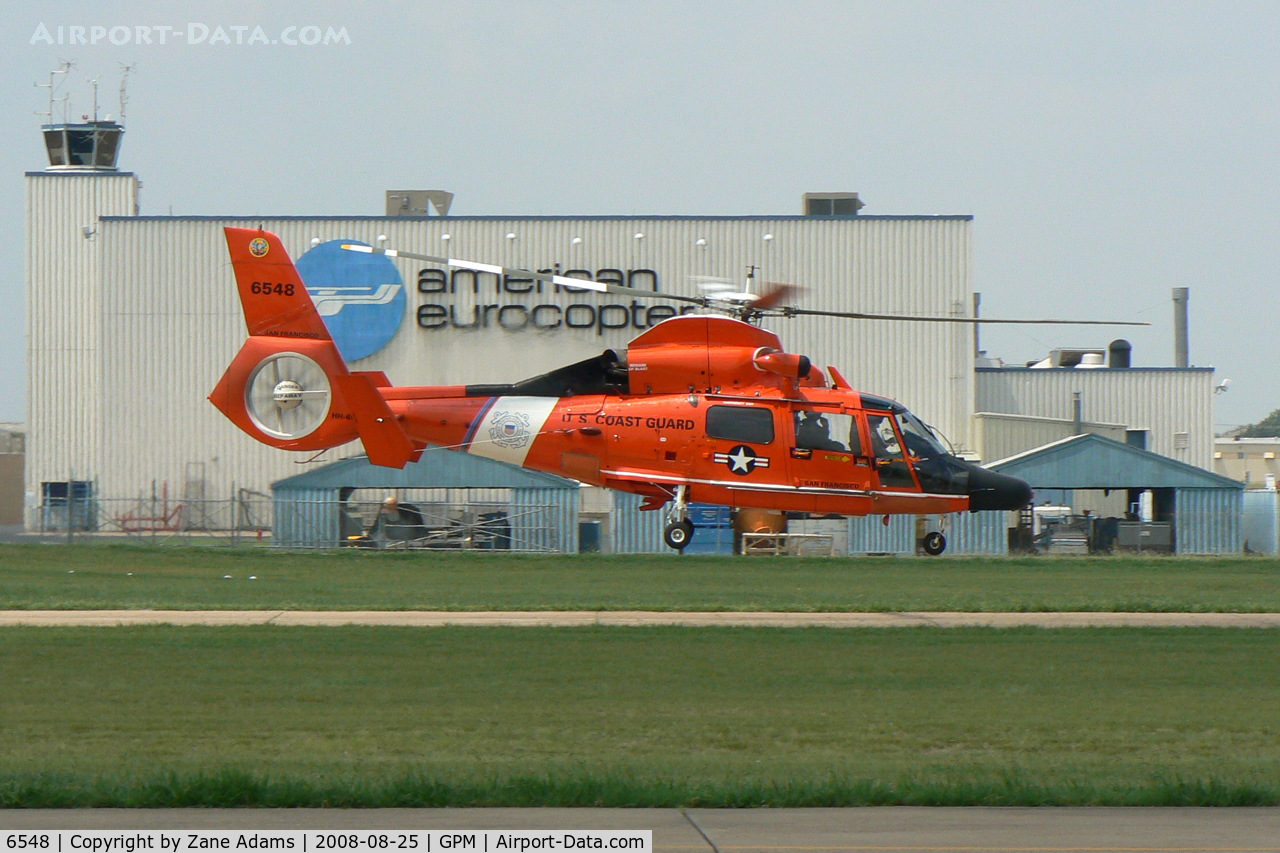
(934, 543)
(678, 534)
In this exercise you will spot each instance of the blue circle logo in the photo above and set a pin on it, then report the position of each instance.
(360, 297)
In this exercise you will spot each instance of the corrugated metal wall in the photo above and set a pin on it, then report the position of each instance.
(967, 533)
(544, 520)
(1165, 401)
(870, 535)
(634, 532)
(1207, 521)
(305, 518)
(65, 358)
(1260, 525)
(454, 494)
(167, 351)
(977, 533)
(999, 436)
(171, 321)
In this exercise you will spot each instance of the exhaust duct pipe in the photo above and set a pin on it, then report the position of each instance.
(1180, 347)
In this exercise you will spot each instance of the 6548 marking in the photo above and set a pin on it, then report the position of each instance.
(266, 288)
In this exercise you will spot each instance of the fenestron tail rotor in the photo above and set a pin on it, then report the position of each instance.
(288, 395)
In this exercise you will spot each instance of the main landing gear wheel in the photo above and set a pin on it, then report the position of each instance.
(677, 534)
(934, 543)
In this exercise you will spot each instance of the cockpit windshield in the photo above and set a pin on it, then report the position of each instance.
(920, 440)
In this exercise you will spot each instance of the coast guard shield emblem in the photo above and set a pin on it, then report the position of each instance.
(509, 429)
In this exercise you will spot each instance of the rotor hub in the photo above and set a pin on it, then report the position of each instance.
(287, 394)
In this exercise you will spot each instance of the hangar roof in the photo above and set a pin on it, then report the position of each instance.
(1076, 371)
(964, 217)
(1093, 462)
(437, 469)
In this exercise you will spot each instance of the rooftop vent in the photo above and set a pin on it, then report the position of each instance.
(1064, 357)
(418, 202)
(832, 204)
(1119, 354)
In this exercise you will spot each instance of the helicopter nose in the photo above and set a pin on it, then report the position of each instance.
(989, 490)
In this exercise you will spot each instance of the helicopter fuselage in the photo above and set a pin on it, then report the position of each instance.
(701, 408)
(823, 451)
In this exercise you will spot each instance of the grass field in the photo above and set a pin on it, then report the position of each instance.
(637, 717)
(98, 576)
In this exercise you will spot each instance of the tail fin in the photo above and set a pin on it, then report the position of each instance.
(289, 386)
(275, 301)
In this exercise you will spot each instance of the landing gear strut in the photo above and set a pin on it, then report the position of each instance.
(934, 543)
(679, 529)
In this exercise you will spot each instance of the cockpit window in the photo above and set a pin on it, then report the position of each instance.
(921, 442)
(884, 441)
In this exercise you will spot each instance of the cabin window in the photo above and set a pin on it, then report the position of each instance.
(746, 424)
(827, 431)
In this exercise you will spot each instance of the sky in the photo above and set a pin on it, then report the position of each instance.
(1108, 152)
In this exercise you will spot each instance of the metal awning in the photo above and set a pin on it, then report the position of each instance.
(437, 469)
(1093, 462)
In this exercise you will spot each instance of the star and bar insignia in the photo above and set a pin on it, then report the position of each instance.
(742, 460)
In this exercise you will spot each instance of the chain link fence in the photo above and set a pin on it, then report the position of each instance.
(244, 520)
(251, 518)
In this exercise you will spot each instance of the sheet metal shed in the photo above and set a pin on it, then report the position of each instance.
(1207, 507)
(543, 508)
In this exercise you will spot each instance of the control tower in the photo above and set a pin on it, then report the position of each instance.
(65, 203)
(86, 146)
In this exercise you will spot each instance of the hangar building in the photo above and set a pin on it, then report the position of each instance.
(139, 315)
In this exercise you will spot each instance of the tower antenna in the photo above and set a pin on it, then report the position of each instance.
(65, 66)
(94, 83)
(124, 80)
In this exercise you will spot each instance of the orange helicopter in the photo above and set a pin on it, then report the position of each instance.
(702, 407)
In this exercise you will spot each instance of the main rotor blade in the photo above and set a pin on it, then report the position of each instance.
(915, 318)
(562, 280)
(775, 293)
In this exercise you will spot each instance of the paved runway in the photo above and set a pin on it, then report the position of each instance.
(896, 829)
(635, 618)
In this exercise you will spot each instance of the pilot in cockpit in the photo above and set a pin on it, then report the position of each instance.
(814, 431)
